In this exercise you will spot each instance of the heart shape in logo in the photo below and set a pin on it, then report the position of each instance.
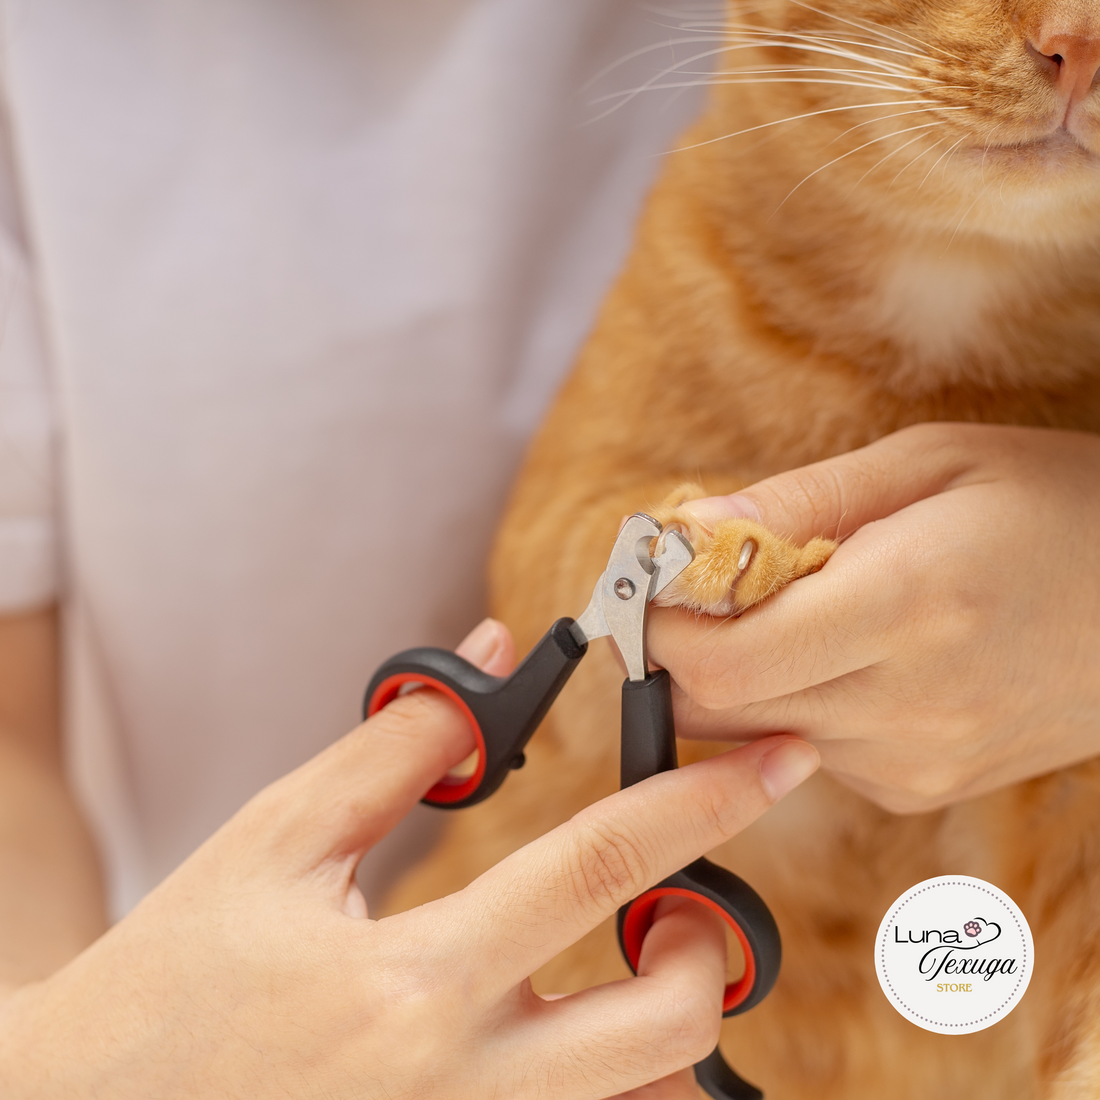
(980, 931)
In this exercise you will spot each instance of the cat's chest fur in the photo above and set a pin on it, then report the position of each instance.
(925, 315)
(937, 307)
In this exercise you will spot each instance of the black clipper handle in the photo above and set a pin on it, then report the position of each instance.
(649, 747)
(737, 903)
(503, 711)
(648, 729)
(715, 1077)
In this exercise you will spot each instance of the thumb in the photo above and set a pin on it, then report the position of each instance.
(835, 497)
(680, 1086)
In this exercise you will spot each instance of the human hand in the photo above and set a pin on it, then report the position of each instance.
(948, 647)
(253, 971)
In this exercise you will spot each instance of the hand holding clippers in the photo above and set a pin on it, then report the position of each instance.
(504, 712)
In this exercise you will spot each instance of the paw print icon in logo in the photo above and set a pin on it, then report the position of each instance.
(981, 931)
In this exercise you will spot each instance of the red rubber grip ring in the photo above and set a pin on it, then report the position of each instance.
(639, 920)
(447, 789)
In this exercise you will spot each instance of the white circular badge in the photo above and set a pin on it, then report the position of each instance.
(954, 954)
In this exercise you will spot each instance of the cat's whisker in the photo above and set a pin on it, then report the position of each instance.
(607, 70)
(985, 187)
(802, 117)
(810, 80)
(629, 95)
(729, 13)
(936, 84)
(759, 30)
(966, 214)
(886, 118)
(904, 35)
(879, 163)
(800, 69)
(714, 11)
(843, 156)
(815, 44)
(655, 82)
(740, 9)
(871, 121)
(950, 150)
(913, 160)
(893, 35)
(774, 40)
(867, 30)
(680, 84)
(764, 37)
(985, 148)
(832, 42)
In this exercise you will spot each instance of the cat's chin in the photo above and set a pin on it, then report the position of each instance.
(1041, 191)
(1053, 152)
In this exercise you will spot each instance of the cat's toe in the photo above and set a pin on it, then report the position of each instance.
(738, 562)
(735, 566)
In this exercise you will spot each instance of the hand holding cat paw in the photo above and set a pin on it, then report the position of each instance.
(738, 561)
(950, 644)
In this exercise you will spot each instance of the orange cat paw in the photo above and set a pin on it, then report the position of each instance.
(737, 564)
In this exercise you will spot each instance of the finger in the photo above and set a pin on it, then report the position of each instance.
(348, 797)
(546, 896)
(836, 497)
(678, 1086)
(686, 941)
(634, 1034)
(900, 775)
(877, 593)
(855, 705)
(800, 714)
(822, 628)
(869, 736)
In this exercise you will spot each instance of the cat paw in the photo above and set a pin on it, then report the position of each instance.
(738, 562)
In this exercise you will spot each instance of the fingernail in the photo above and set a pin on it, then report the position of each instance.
(787, 765)
(709, 510)
(479, 646)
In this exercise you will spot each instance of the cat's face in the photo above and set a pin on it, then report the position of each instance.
(927, 103)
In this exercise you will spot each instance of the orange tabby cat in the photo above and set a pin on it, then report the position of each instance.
(921, 242)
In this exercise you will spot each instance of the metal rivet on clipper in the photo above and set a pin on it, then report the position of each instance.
(624, 588)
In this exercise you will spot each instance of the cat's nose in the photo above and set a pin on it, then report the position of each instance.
(1073, 60)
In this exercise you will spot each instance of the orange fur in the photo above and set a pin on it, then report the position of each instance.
(737, 564)
(795, 293)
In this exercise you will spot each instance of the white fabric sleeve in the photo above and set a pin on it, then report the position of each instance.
(28, 490)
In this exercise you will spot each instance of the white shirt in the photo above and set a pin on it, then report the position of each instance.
(286, 286)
